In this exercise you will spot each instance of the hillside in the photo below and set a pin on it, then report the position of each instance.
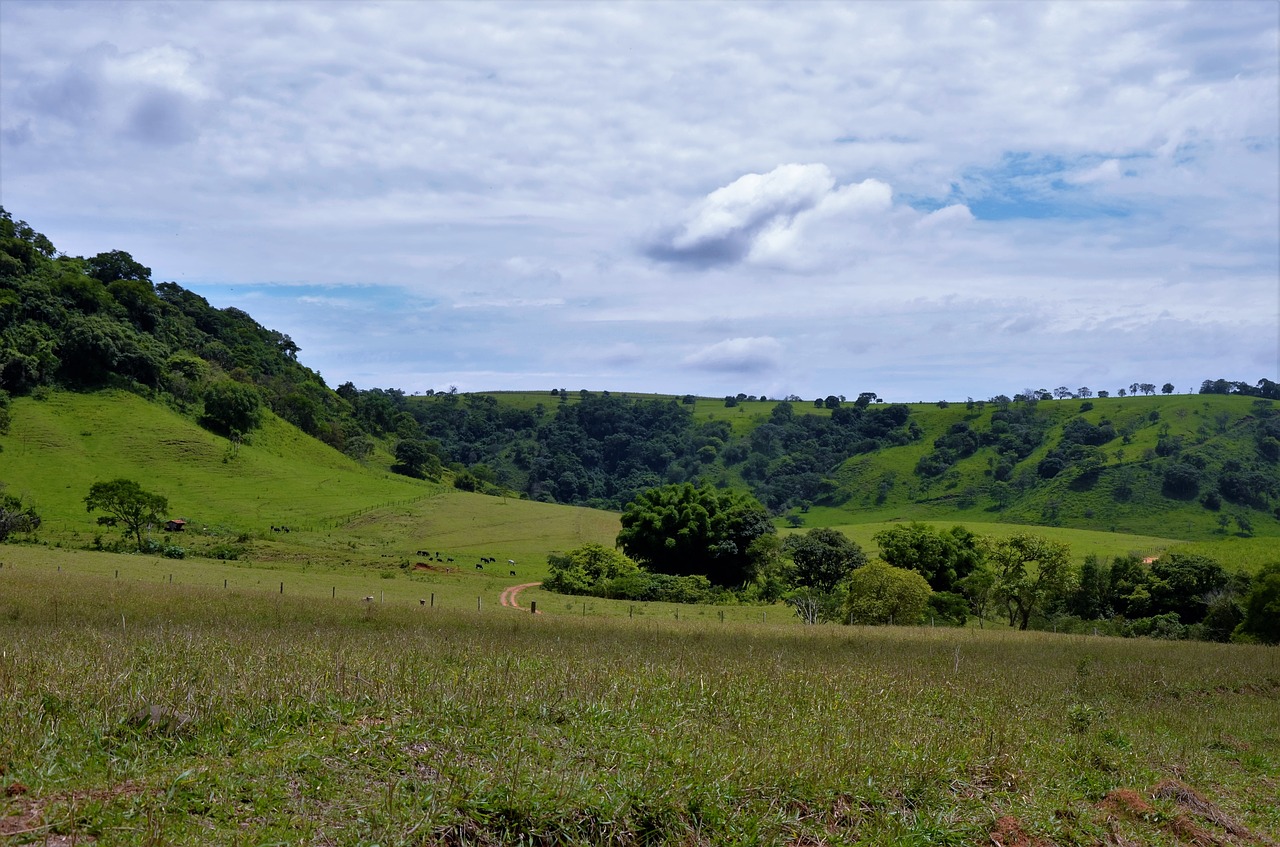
(336, 509)
(1195, 467)
(1190, 466)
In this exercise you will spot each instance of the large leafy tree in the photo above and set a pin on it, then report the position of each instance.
(1029, 570)
(823, 558)
(231, 408)
(126, 503)
(680, 529)
(943, 557)
(880, 594)
(586, 569)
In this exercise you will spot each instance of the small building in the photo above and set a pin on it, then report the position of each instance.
(175, 525)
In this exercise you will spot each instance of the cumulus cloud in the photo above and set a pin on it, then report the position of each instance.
(738, 355)
(763, 216)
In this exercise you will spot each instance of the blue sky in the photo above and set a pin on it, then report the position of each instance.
(924, 200)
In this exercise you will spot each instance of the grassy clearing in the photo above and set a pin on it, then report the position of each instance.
(349, 723)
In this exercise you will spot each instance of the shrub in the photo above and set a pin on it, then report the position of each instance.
(880, 593)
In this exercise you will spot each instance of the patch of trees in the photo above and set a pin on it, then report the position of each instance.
(86, 323)
(1015, 431)
(789, 458)
(1263, 388)
(672, 550)
(1179, 595)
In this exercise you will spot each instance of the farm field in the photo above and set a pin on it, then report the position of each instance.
(287, 720)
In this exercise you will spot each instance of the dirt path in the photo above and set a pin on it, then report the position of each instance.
(509, 596)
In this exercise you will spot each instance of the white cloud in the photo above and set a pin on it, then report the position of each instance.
(478, 175)
(738, 355)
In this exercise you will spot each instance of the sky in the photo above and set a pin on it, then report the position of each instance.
(925, 200)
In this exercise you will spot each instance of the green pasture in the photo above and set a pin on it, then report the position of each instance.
(281, 719)
(56, 448)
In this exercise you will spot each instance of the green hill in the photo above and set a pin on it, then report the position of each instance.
(335, 508)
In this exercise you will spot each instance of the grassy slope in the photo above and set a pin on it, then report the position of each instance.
(343, 513)
(338, 511)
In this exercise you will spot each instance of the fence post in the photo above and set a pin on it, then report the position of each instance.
(533, 607)
(478, 604)
(433, 600)
(282, 588)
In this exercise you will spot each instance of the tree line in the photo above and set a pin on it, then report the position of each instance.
(682, 543)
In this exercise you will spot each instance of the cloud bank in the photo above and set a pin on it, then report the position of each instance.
(924, 200)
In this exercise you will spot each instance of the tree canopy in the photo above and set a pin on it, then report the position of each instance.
(880, 594)
(683, 529)
(943, 557)
(823, 558)
(125, 502)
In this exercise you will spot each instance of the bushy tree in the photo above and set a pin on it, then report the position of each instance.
(880, 593)
(125, 502)
(587, 569)
(1262, 607)
(231, 408)
(681, 529)
(1029, 570)
(823, 558)
(16, 516)
(417, 459)
(943, 557)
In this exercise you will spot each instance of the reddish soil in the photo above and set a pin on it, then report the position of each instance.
(1183, 826)
(509, 596)
(1008, 832)
(425, 566)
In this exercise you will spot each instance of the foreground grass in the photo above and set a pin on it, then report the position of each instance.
(350, 723)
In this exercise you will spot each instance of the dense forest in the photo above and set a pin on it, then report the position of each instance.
(1071, 457)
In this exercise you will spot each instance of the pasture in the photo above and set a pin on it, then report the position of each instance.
(287, 719)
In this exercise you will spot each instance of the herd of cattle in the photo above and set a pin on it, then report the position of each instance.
(484, 560)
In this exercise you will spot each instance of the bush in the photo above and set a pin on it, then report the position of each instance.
(880, 593)
(173, 551)
(1167, 626)
(948, 608)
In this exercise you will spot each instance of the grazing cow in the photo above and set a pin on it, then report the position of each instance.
(479, 566)
(513, 573)
(422, 602)
(369, 599)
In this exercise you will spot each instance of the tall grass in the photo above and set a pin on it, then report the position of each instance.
(352, 723)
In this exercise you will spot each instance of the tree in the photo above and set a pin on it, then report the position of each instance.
(16, 516)
(823, 558)
(880, 593)
(1262, 606)
(1167, 388)
(126, 503)
(417, 459)
(116, 265)
(1182, 583)
(231, 408)
(587, 569)
(680, 529)
(1029, 570)
(941, 557)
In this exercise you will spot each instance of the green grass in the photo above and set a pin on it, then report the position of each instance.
(344, 723)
